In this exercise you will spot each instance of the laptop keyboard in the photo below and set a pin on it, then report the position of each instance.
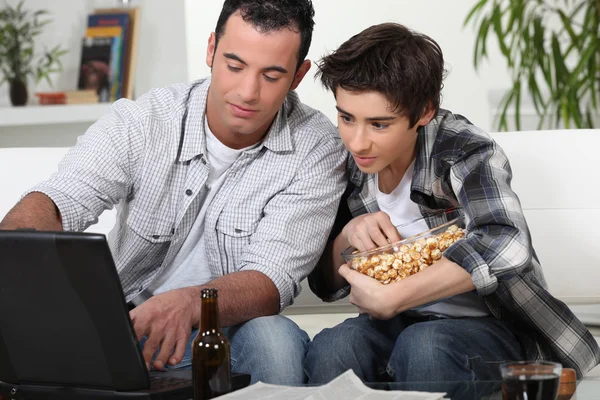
(163, 382)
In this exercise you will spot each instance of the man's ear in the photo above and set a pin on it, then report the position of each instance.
(210, 49)
(304, 67)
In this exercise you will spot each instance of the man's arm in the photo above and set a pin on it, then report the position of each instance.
(165, 319)
(37, 211)
(94, 175)
(243, 296)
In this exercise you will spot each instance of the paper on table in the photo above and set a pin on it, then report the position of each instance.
(346, 386)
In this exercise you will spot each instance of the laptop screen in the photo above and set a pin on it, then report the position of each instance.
(63, 317)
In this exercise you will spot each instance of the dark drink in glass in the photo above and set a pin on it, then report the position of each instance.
(530, 380)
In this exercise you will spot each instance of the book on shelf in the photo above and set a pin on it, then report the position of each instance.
(128, 19)
(112, 25)
(68, 97)
(81, 97)
(97, 59)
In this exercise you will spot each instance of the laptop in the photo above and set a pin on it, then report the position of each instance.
(65, 331)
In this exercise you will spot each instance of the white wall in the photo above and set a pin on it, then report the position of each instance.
(465, 91)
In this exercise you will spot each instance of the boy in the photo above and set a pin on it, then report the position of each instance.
(409, 159)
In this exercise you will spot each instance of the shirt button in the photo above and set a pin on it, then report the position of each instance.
(189, 192)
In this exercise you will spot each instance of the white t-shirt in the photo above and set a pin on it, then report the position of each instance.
(189, 267)
(402, 210)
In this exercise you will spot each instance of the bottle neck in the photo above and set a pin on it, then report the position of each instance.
(209, 317)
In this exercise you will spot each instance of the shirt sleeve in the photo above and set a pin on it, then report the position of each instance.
(98, 171)
(293, 232)
(498, 242)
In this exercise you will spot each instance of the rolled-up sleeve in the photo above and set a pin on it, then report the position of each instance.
(498, 242)
(293, 232)
(97, 172)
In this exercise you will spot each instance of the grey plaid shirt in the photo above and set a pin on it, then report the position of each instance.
(272, 214)
(459, 165)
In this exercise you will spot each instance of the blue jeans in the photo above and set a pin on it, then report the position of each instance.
(405, 349)
(270, 349)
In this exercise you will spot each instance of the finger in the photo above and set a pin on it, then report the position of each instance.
(344, 270)
(390, 231)
(166, 349)
(180, 346)
(387, 227)
(139, 326)
(355, 278)
(377, 236)
(150, 348)
(362, 241)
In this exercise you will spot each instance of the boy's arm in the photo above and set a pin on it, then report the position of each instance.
(498, 243)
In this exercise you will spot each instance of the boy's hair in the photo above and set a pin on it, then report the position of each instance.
(272, 15)
(405, 66)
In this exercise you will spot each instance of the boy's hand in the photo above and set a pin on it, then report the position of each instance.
(369, 231)
(370, 296)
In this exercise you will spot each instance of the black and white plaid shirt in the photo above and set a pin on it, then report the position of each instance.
(272, 214)
(459, 165)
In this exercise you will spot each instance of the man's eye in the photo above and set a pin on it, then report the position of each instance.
(234, 69)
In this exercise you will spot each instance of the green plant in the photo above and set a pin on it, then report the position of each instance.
(552, 49)
(18, 29)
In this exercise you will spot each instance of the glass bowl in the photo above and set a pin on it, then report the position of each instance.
(399, 260)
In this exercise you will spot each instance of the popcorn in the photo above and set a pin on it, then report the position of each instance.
(408, 259)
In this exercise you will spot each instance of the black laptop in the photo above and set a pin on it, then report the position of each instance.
(65, 330)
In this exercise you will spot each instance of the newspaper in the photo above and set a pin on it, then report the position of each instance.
(346, 386)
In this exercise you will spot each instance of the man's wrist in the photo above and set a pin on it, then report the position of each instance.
(194, 296)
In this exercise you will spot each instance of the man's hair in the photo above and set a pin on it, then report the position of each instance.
(273, 15)
(404, 66)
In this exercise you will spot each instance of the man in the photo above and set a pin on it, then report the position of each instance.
(229, 182)
(410, 159)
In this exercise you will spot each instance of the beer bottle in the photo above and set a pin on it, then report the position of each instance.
(211, 367)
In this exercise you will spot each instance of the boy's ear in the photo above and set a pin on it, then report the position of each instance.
(426, 117)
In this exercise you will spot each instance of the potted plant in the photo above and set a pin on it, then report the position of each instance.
(18, 60)
(552, 49)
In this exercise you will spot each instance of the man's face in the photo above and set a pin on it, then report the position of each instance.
(375, 136)
(252, 73)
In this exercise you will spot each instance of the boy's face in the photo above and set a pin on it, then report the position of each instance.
(252, 73)
(375, 136)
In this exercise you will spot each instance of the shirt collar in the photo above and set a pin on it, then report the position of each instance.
(193, 142)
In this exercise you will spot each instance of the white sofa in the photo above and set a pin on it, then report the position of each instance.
(554, 176)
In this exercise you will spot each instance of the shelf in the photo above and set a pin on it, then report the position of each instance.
(52, 114)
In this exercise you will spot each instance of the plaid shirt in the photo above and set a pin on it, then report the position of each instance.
(272, 214)
(459, 165)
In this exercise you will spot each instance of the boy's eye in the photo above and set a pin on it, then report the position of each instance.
(270, 79)
(377, 125)
(234, 69)
(345, 118)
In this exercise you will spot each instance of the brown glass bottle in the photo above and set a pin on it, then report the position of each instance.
(210, 352)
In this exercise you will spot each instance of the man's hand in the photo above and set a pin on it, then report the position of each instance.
(369, 231)
(166, 320)
(370, 296)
